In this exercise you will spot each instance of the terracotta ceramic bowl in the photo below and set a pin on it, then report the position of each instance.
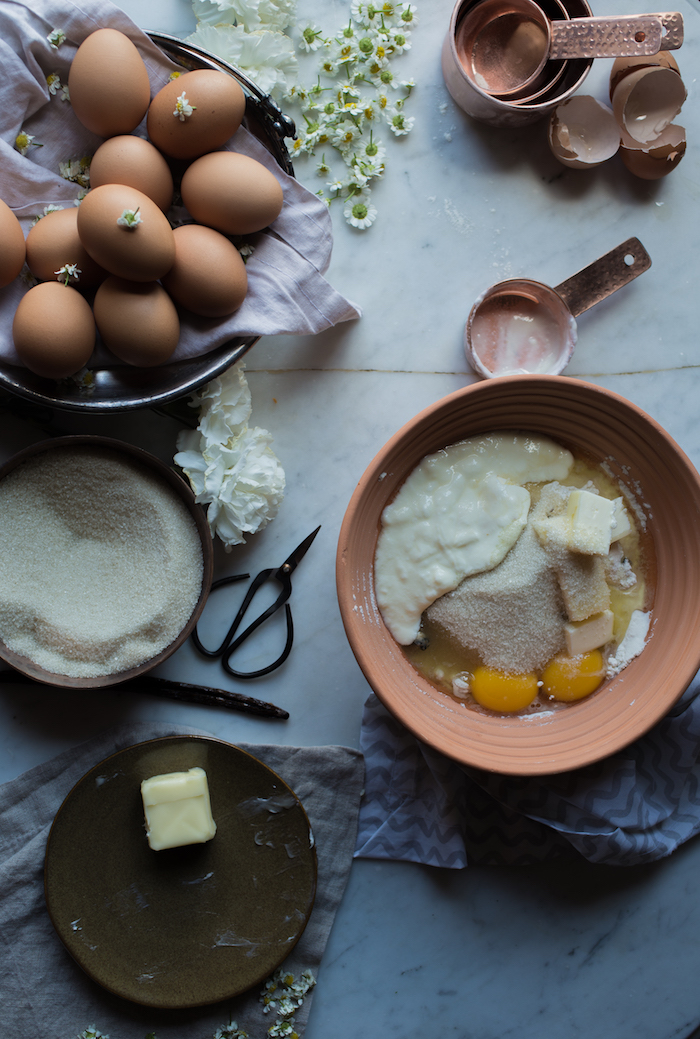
(161, 476)
(641, 457)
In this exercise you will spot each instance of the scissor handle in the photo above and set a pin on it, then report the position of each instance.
(230, 643)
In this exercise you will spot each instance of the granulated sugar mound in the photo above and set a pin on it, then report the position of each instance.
(100, 562)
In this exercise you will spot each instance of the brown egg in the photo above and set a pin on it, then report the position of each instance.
(195, 113)
(108, 83)
(12, 248)
(54, 242)
(54, 330)
(131, 160)
(232, 193)
(208, 276)
(141, 251)
(137, 321)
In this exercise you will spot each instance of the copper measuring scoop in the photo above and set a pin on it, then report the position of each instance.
(523, 327)
(506, 44)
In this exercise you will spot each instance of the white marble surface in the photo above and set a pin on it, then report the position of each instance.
(416, 952)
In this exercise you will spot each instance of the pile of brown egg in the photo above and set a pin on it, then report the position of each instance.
(118, 243)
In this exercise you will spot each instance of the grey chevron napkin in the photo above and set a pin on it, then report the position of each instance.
(635, 806)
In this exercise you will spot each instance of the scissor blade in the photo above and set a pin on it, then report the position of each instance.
(293, 560)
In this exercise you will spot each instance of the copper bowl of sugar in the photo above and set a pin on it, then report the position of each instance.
(105, 562)
(649, 468)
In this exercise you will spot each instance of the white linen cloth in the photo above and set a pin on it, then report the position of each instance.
(287, 292)
(634, 807)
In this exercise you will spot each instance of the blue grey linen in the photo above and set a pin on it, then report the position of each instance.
(634, 807)
(44, 992)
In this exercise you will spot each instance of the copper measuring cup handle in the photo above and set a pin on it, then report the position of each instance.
(612, 37)
(604, 276)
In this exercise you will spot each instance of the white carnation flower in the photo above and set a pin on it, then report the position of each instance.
(231, 467)
(267, 57)
(250, 14)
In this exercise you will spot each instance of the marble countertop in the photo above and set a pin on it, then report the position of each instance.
(487, 952)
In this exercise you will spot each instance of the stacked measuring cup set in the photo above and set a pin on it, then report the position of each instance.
(511, 62)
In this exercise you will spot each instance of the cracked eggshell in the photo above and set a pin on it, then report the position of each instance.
(583, 133)
(623, 66)
(655, 160)
(647, 100)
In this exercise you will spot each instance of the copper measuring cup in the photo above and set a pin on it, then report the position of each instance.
(523, 327)
(507, 44)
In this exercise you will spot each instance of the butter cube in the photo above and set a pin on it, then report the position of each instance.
(621, 521)
(591, 516)
(177, 809)
(583, 636)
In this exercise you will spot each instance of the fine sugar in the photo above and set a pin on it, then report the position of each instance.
(100, 562)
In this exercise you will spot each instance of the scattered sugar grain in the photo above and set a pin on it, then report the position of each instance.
(100, 562)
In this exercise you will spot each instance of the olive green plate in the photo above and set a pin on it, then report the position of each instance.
(187, 926)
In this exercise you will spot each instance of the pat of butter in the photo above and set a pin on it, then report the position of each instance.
(177, 809)
(592, 518)
(583, 636)
(621, 521)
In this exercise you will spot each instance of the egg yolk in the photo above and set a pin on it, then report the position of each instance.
(573, 678)
(503, 692)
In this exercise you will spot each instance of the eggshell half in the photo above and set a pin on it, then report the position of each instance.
(647, 100)
(232, 193)
(53, 330)
(655, 160)
(623, 66)
(141, 253)
(108, 83)
(53, 242)
(133, 161)
(12, 247)
(583, 132)
(218, 106)
(137, 321)
(208, 276)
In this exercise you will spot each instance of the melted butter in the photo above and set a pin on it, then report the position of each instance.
(459, 513)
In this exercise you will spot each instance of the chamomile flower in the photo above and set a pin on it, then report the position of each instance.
(68, 272)
(311, 38)
(408, 16)
(76, 170)
(47, 209)
(53, 82)
(399, 124)
(399, 42)
(24, 141)
(359, 211)
(336, 186)
(231, 1031)
(130, 218)
(65, 92)
(56, 37)
(183, 109)
(345, 135)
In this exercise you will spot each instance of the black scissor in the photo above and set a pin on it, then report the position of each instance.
(282, 575)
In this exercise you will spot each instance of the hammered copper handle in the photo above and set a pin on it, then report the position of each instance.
(614, 37)
(601, 278)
